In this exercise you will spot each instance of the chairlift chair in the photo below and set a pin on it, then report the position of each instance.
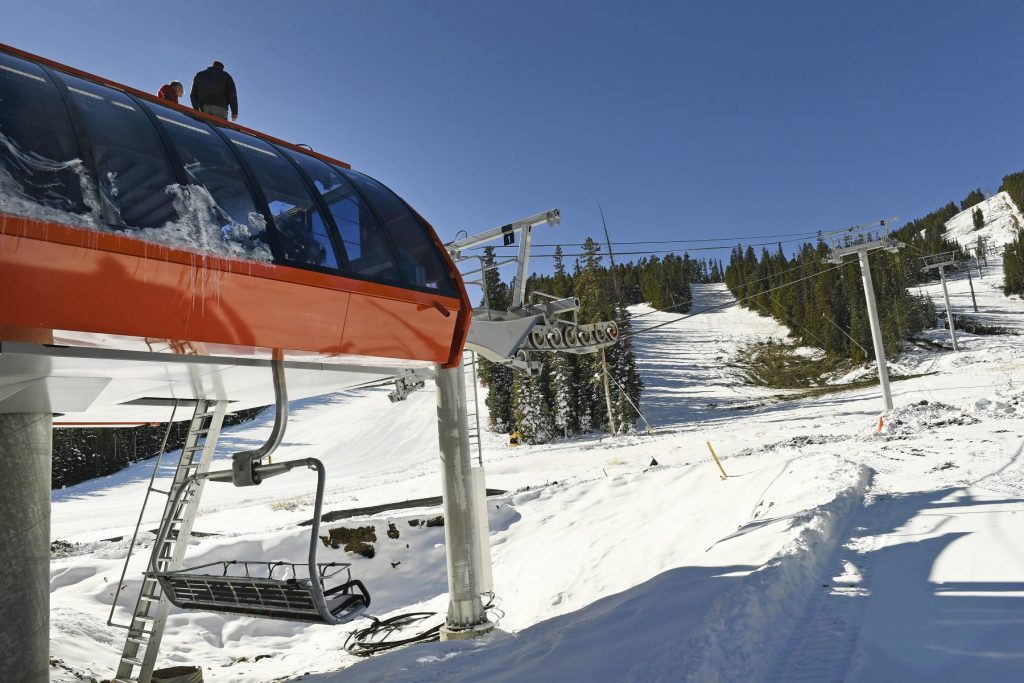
(327, 594)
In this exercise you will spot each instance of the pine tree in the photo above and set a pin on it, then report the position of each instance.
(626, 385)
(979, 218)
(1013, 185)
(564, 392)
(532, 409)
(973, 197)
(1013, 266)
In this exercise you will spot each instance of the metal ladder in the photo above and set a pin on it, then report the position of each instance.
(469, 361)
(138, 658)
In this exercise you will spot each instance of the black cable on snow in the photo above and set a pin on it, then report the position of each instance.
(373, 639)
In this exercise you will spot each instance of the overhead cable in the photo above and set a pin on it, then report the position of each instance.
(692, 241)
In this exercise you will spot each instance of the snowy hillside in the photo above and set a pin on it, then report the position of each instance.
(1002, 222)
(832, 551)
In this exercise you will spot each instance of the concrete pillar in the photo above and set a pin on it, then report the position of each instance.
(466, 616)
(26, 448)
(876, 328)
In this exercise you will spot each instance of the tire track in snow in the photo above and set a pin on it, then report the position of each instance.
(821, 647)
(745, 627)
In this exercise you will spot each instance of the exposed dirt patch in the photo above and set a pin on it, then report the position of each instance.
(358, 540)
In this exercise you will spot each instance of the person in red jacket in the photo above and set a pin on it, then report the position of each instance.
(171, 91)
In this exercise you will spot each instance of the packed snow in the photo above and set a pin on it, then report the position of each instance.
(834, 550)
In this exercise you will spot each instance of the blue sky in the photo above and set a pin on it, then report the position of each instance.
(685, 120)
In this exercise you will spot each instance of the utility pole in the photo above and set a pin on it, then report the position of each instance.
(618, 296)
(970, 282)
(940, 262)
(860, 240)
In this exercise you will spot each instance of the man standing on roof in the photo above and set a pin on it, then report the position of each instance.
(213, 92)
(171, 91)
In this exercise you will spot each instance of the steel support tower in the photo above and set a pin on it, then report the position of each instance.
(861, 240)
(940, 262)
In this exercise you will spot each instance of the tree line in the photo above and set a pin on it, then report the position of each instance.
(568, 397)
(82, 453)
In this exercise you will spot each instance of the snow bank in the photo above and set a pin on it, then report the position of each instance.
(747, 628)
(924, 415)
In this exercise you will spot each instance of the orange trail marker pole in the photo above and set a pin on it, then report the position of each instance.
(881, 423)
(717, 462)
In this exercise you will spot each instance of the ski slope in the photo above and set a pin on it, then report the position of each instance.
(832, 552)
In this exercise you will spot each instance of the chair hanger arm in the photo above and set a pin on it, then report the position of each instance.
(243, 464)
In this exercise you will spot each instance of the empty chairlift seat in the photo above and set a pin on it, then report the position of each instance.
(311, 591)
(269, 589)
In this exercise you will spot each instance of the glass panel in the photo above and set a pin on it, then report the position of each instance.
(40, 175)
(135, 176)
(300, 227)
(422, 265)
(226, 218)
(366, 247)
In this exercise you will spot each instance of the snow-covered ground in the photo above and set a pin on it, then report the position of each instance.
(831, 552)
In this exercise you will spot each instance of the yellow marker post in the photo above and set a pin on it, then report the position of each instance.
(717, 462)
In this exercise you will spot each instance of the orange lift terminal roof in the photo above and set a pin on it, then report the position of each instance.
(132, 227)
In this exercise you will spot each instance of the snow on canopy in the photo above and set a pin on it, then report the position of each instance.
(200, 224)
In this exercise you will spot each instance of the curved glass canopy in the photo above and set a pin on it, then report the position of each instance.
(82, 153)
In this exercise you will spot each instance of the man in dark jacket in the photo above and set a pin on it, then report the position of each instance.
(213, 92)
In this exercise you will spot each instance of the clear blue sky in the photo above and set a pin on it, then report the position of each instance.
(686, 120)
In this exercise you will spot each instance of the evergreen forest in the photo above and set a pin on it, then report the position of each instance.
(82, 453)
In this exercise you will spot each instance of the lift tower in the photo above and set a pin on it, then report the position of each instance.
(940, 262)
(536, 323)
(860, 240)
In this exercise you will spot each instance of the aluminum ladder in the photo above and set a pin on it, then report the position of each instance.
(469, 361)
(142, 644)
